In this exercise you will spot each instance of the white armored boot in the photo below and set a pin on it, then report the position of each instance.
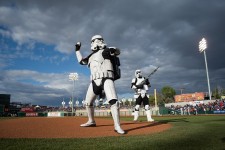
(91, 121)
(136, 115)
(116, 118)
(149, 116)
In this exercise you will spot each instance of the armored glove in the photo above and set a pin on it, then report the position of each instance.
(77, 46)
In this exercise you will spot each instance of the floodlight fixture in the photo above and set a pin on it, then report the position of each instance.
(202, 48)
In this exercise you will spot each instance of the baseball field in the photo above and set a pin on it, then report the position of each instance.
(206, 132)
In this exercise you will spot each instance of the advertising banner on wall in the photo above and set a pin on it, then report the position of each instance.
(31, 114)
(54, 114)
(189, 97)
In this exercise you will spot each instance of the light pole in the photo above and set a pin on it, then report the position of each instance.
(202, 48)
(96, 102)
(83, 103)
(123, 100)
(181, 91)
(77, 103)
(63, 103)
(130, 100)
(156, 105)
(70, 103)
(73, 77)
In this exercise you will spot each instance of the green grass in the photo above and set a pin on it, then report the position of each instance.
(187, 132)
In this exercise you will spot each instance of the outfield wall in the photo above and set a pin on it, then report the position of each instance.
(104, 113)
(123, 112)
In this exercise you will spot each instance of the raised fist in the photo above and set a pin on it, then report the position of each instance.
(77, 46)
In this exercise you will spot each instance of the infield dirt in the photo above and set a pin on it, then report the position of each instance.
(69, 127)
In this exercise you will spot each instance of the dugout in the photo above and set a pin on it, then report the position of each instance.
(5, 100)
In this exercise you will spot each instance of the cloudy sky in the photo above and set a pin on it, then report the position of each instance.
(37, 41)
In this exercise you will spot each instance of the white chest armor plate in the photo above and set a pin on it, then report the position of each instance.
(142, 91)
(99, 66)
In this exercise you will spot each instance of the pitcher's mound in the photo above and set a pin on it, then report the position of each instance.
(69, 127)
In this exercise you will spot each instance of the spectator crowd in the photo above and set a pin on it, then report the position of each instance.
(200, 108)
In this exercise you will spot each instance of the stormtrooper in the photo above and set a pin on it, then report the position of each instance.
(140, 85)
(104, 71)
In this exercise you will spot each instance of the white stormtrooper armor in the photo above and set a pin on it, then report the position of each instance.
(102, 78)
(140, 85)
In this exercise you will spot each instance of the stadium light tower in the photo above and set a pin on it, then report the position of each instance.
(73, 77)
(202, 48)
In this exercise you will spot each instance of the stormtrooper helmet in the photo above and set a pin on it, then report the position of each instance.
(97, 43)
(138, 74)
